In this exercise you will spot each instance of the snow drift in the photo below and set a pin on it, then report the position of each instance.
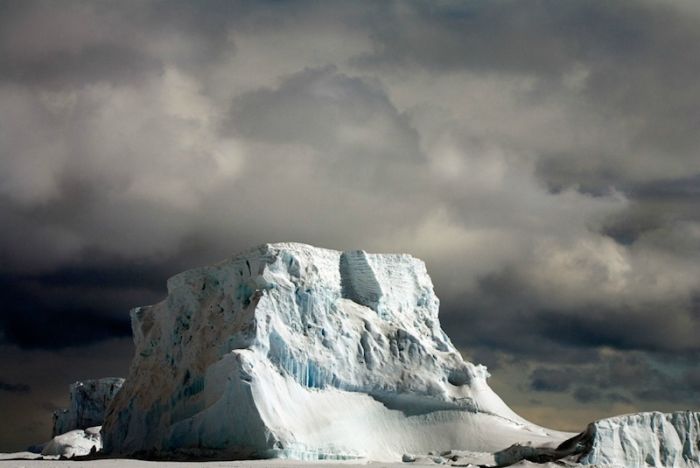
(75, 443)
(294, 351)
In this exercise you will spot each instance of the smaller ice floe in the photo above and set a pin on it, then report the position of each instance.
(644, 439)
(641, 439)
(74, 443)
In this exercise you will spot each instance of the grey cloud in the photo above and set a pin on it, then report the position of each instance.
(103, 63)
(619, 378)
(473, 35)
(14, 387)
(628, 80)
(505, 315)
(665, 214)
(551, 380)
(692, 379)
(49, 45)
(339, 115)
(587, 394)
(541, 157)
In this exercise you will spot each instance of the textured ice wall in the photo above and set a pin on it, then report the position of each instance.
(295, 351)
(646, 439)
(88, 403)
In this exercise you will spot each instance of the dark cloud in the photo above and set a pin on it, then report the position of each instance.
(622, 61)
(551, 380)
(122, 45)
(98, 63)
(14, 387)
(76, 305)
(587, 394)
(507, 303)
(692, 379)
(31, 323)
(541, 157)
(350, 121)
(620, 378)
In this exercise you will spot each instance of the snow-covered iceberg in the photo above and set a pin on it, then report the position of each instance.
(644, 439)
(89, 400)
(288, 350)
(632, 440)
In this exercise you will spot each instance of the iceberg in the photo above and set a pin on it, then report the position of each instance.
(632, 440)
(644, 439)
(294, 351)
(89, 400)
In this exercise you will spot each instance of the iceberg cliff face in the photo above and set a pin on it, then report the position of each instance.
(294, 351)
(645, 439)
(89, 400)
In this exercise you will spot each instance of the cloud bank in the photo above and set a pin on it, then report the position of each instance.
(541, 157)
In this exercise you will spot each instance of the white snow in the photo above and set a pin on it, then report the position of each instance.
(74, 443)
(130, 463)
(294, 351)
(89, 400)
(646, 439)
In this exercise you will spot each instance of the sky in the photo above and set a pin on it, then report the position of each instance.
(540, 156)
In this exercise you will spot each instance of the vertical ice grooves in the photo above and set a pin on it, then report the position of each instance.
(358, 281)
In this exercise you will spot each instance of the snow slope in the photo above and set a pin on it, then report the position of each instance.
(288, 350)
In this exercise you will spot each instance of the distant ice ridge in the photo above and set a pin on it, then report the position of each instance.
(294, 351)
(89, 400)
(645, 439)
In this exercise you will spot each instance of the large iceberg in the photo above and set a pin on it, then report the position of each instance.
(289, 350)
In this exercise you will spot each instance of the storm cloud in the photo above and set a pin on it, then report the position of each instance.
(541, 157)
(14, 387)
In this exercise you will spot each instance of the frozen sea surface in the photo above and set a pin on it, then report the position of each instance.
(275, 463)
